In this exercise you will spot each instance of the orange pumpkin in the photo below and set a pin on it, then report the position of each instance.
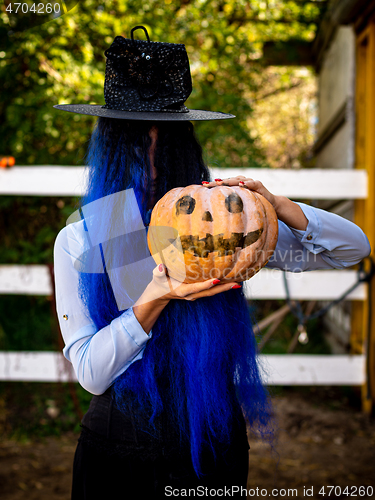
(223, 232)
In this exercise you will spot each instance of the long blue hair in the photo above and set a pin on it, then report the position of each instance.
(200, 364)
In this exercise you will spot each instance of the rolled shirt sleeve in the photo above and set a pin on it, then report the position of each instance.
(329, 241)
(98, 356)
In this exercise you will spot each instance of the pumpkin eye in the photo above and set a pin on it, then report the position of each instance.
(185, 205)
(233, 203)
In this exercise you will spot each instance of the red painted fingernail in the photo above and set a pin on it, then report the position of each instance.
(218, 180)
(215, 282)
(205, 182)
(241, 182)
(236, 286)
(161, 267)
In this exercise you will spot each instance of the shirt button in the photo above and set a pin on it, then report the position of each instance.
(309, 237)
(65, 317)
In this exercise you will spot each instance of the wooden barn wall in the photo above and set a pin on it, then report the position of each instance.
(336, 148)
(336, 96)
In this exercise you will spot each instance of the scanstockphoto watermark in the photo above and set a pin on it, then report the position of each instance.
(114, 241)
(228, 492)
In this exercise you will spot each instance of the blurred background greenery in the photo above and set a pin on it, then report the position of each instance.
(62, 61)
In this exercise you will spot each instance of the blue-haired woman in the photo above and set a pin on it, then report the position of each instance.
(174, 374)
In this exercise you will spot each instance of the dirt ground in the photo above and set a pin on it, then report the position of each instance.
(321, 442)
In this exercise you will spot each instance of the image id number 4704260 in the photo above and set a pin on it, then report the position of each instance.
(34, 8)
(349, 491)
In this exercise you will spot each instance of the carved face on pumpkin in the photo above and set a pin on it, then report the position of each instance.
(222, 232)
(202, 247)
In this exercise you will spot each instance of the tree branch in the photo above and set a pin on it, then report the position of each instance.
(277, 91)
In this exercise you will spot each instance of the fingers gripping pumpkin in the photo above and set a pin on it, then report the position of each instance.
(223, 232)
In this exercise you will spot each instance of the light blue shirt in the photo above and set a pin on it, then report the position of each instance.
(99, 357)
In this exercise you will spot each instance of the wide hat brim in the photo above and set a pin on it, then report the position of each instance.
(98, 110)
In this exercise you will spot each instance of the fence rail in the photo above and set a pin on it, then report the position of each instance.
(267, 284)
(297, 184)
(279, 369)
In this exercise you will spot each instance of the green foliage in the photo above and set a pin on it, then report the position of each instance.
(63, 61)
(27, 324)
(29, 225)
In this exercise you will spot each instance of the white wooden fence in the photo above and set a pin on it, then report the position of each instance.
(267, 284)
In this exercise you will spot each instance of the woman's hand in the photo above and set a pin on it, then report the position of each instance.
(243, 181)
(286, 210)
(188, 291)
(163, 288)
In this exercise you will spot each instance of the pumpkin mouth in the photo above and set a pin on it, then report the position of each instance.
(202, 247)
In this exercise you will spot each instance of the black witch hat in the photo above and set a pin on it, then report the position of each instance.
(145, 80)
